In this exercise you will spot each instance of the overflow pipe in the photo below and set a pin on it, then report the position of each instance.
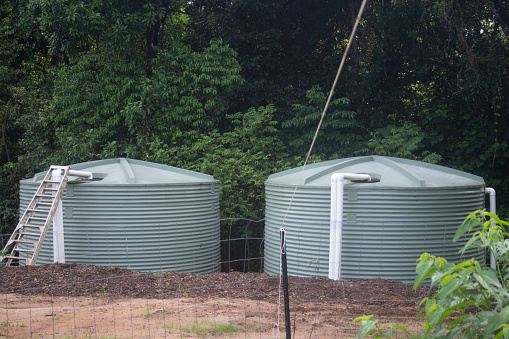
(84, 174)
(336, 220)
(493, 209)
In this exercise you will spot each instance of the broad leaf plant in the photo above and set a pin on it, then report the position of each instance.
(471, 301)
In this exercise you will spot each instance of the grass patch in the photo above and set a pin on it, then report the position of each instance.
(206, 329)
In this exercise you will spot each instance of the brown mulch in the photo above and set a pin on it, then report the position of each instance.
(74, 280)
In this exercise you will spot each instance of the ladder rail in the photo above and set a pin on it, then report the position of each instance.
(32, 203)
(57, 200)
(17, 235)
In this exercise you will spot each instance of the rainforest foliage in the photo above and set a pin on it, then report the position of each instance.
(236, 88)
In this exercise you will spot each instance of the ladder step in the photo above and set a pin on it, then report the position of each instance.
(22, 250)
(43, 203)
(30, 235)
(24, 241)
(50, 189)
(38, 211)
(51, 181)
(27, 226)
(44, 196)
(12, 257)
(32, 226)
(36, 218)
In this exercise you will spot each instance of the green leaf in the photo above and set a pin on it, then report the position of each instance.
(434, 315)
(367, 325)
(496, 219)
(424, 300)
(504, 333)
(455, 332)
(490, 276)
(470, 242)
(485, 281)
(424, 269)
(458, 320)
(470, 222)
(462, 265)
(496, 322)
(402, 328)
(448, 288)
(464, 304)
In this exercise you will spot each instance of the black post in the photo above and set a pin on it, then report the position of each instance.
(285, 284)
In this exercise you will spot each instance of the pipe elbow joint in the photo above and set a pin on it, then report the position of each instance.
(338, 177)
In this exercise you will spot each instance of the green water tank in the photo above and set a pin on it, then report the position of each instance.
(139, 215)
(412, 207)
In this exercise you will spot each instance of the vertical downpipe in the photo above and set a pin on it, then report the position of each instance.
(493, 209)
(336, 224)
(58, 217)
(336, 220)
(58, 222)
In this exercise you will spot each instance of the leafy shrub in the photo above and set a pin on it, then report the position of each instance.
(105, 105)
(403, 142)
(339, 134)
(471, 301)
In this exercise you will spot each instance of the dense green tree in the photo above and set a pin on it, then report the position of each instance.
(25, 81)
(339, 134)
(284, 47)
(134, 28)
(9, 77)
(400, 141)
(100, 104)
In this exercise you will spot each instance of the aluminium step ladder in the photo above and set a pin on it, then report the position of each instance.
(27, 238)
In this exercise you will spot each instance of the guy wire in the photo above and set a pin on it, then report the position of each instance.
(352, 37)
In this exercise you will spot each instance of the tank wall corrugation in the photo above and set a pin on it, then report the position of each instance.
(384, 230)
(165, 227)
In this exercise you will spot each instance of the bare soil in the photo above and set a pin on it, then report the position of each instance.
(80, 301)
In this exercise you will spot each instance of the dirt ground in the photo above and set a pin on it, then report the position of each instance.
(82, 301)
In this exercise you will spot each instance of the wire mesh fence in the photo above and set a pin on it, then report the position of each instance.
(233, 299)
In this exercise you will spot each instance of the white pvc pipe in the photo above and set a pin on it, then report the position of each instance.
(493, 209)
(58, 217)
(336, 220)
(58, 220)
(84, 174)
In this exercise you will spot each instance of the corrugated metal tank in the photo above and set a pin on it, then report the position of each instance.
(138, 215)
(415, 207)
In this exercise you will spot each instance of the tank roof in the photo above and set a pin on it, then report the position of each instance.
(121, 171)
(391, 172)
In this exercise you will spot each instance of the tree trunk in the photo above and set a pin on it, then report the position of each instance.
(151, 43)
(455, 20)
(4, 136)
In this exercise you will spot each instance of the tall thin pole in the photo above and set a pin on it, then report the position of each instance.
(285, 284)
